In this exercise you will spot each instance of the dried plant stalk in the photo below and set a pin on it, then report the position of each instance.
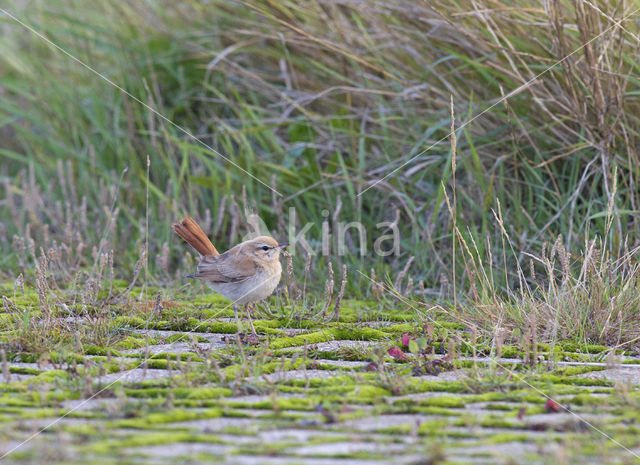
(336, 308)
(307, 266)
(398, 283)
(374, 284)
(328, 292)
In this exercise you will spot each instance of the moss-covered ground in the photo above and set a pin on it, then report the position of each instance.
(169, 382)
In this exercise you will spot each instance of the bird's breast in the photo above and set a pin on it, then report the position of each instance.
(260, 286)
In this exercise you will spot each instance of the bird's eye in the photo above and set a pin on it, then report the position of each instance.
(264, 247)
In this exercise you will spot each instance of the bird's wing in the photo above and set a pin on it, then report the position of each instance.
(228, 267)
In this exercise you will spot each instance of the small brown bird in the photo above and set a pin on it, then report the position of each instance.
(246, 273)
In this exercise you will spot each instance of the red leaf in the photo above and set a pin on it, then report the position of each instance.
(371, 367)
(396, 353)
(405, 340)
(552, 406)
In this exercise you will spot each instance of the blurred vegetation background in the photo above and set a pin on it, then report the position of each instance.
(320, 99)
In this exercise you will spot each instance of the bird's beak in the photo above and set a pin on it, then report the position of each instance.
(283, 244)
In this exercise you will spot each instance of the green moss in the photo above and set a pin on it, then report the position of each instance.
(401, 328)
(400, 317)
(366, 393)
(180, 337)
(359, 334)
(437, 401)
(24, 370)
(149, 439)
(586, 399)
(219, 327)
(301, 339)
(233, 371)
(40, 413)
(170, 416)
(334, 383)
(336, 331)
(129, 322)
(47, 377)
(345, 353)
(440, 411)
(500, 438)
(558, 379)
(131, 342)
(23, 357)
(266, 324)
(511, 352)
(532, 397)
(11, 401)
(182, 415)
(203, 392)
(159, 364)
(586, 348)
(577, 370)
(417, 385)
(270, 332)
(279, 403)
(510, 407)
(183, 357)
(212, 299)
(148, 392)
(298, 324)
(96, 350)
(433, 427)
(195, 393)
(488, 422)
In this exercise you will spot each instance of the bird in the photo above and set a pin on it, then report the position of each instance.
(246, 273)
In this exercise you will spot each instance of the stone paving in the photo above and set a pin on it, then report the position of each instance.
(203, 398)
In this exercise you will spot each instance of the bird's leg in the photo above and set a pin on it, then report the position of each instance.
(246, 309)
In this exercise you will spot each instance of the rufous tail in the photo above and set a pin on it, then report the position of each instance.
(191, 232)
